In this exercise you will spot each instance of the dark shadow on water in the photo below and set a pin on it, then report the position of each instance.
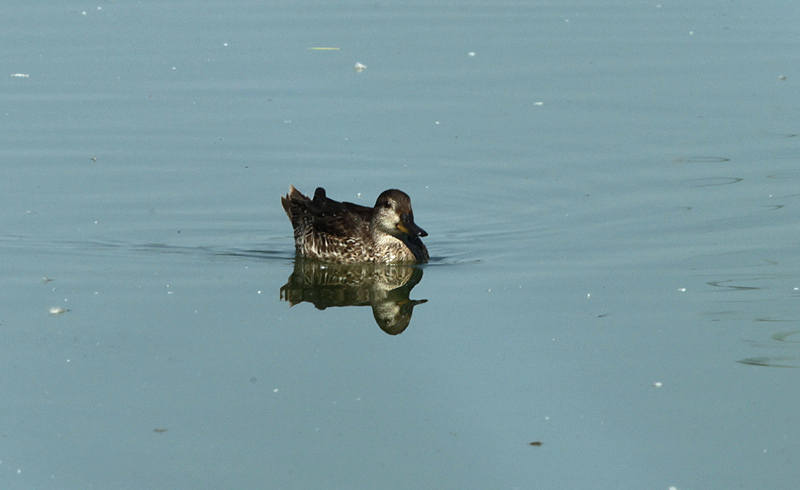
(385, 288)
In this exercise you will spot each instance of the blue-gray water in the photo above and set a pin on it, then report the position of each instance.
(611, 193)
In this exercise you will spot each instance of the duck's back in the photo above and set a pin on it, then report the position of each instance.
(329, 230)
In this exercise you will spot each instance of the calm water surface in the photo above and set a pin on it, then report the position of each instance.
(612, 199)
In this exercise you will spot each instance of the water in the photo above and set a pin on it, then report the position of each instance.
(610, 192)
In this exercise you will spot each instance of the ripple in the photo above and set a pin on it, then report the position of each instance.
(725, 284)
(701, 159)
(784, 336)
(779, 362)
(715, 181)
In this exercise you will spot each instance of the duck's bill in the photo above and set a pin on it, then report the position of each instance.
(408, 227)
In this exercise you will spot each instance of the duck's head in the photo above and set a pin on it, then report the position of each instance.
(393, 215)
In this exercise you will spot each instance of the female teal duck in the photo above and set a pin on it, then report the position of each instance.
(346, 233)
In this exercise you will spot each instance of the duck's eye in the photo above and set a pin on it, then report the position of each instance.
(387, 205)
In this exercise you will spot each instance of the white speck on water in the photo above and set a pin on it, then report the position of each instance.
(358, 67)
(471, 54)
(657, 384)
(681, 290)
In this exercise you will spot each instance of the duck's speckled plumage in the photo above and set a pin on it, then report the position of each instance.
(347, 233)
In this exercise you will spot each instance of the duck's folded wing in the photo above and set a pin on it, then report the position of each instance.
(340, 219)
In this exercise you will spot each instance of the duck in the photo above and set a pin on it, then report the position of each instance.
(348, 233)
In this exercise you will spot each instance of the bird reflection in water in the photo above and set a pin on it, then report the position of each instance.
(384, 287)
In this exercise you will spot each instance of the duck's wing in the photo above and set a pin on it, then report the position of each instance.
(339, 219)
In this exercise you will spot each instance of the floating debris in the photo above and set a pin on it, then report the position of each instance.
(359, 67)
(57, 310)
(535, 443)
(20, 75)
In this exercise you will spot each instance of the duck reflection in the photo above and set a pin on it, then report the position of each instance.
(385, 287)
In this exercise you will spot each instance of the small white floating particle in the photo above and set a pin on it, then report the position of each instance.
(681, 290)
(57, 310)
(657, 384)
(471, 54)
(225, 44)
(538, 104)
(258, 292)
(588, 295)
(782, 77)
(83, 13)
(275, 390)
(47, 279)
(359, 67)
(20, 75)
(673, 488)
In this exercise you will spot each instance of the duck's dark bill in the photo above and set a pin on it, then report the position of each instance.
(408, 226)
